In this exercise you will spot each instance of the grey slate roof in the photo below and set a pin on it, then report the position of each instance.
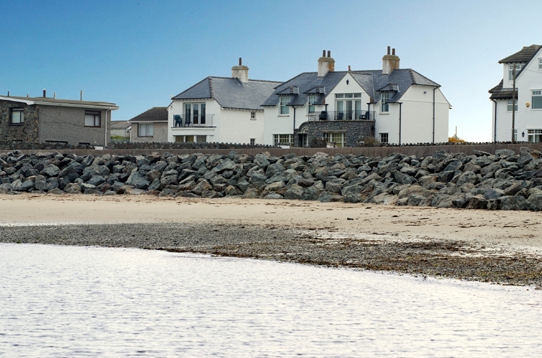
(230, 92)
(155, 114)
(498, 92)
(522, 56)
(398, 81)
(119, 124)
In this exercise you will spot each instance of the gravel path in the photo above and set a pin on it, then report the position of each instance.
(438, 258)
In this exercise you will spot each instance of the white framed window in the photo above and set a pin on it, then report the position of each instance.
(534, 135)
(337, 138)
(348, 105)
(253, 115)
(17, 116)
(283, 139)
(195, 113)
(536, 99)
(252, 141)
(385, 104)
(384, 138)
(284, 100)
(540, 63)
(145, 130)
(511, 70)
(312, 99)
(510, 105)
(92, 119)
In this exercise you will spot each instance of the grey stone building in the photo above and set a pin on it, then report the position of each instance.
(45, 119)
(150, 126)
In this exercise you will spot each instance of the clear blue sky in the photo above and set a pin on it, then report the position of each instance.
(139, 53)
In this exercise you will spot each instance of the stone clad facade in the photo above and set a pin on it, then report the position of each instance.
(27, 132)
(354, 131)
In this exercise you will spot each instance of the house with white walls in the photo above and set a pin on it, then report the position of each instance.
(220, 109)
(344, 108)
(517, 111)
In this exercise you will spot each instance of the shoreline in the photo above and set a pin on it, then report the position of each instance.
(450, 243)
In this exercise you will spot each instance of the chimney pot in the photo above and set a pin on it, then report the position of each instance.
(324, 53)
(349, 68)
(393, 52)
(329, 54)
(240, 61)
(8, 93)
(388, 50)
(44, 93)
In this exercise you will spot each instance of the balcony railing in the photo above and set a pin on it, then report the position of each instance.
(199, 121)
(342, 115)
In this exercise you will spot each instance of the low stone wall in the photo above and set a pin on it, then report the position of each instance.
(26, 132)
(502, 180)
(353, 130)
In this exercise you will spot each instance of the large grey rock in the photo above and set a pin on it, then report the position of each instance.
(467, 177)
(258, 179)
(261, 160)
(294, 192)
(72, 188)
(505, 152)
(201, 187)
(403, 178)
(51, 170)
(96, 180)
(534, 202)
(517, 202)
(138, 180)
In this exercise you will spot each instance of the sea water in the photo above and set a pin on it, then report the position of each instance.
(60, 301)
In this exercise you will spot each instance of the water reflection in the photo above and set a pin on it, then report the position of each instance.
(76, 301)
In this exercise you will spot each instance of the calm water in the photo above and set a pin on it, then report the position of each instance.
(75, 302)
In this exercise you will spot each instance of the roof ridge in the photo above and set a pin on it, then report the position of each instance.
(211, 87)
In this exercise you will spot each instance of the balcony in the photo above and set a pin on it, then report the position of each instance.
(196, 121)
(357, 115)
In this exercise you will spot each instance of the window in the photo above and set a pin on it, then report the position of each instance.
(348, 105)
(385, 104)
(537, 99)
(540, 63)
(284, 100)
(510, 105)
(284, 139)
(511, 71)
(17, 116)
(145, 130)
(383, 137)
(337, 138)
(92, 119)
(515, 135)
(534, 135)
(194, 113)
(253, 115)
(252, 141)
(312, 99)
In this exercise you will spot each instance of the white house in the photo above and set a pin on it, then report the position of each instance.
(344, 107)
(528, 97)
(220, 109)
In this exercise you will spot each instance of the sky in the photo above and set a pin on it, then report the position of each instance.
(138, 54)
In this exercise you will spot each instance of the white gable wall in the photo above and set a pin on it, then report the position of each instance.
(417, 115)
(236, 126)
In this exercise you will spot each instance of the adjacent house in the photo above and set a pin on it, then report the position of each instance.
(120, 128)
(220, 109)
(517, 112)
(344, 108)
(45, 119)
(150, 126)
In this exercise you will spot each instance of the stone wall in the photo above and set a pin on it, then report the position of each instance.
(354, 131)
(26, 132)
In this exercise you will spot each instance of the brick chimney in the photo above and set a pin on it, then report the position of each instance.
(240, 72)
(390, 62)
(325, 64)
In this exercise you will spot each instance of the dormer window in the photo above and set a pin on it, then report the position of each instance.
(385, 99)
(312, 99)
(284, 100)
(511, 70)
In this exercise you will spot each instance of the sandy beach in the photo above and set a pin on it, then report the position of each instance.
(418, 240)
